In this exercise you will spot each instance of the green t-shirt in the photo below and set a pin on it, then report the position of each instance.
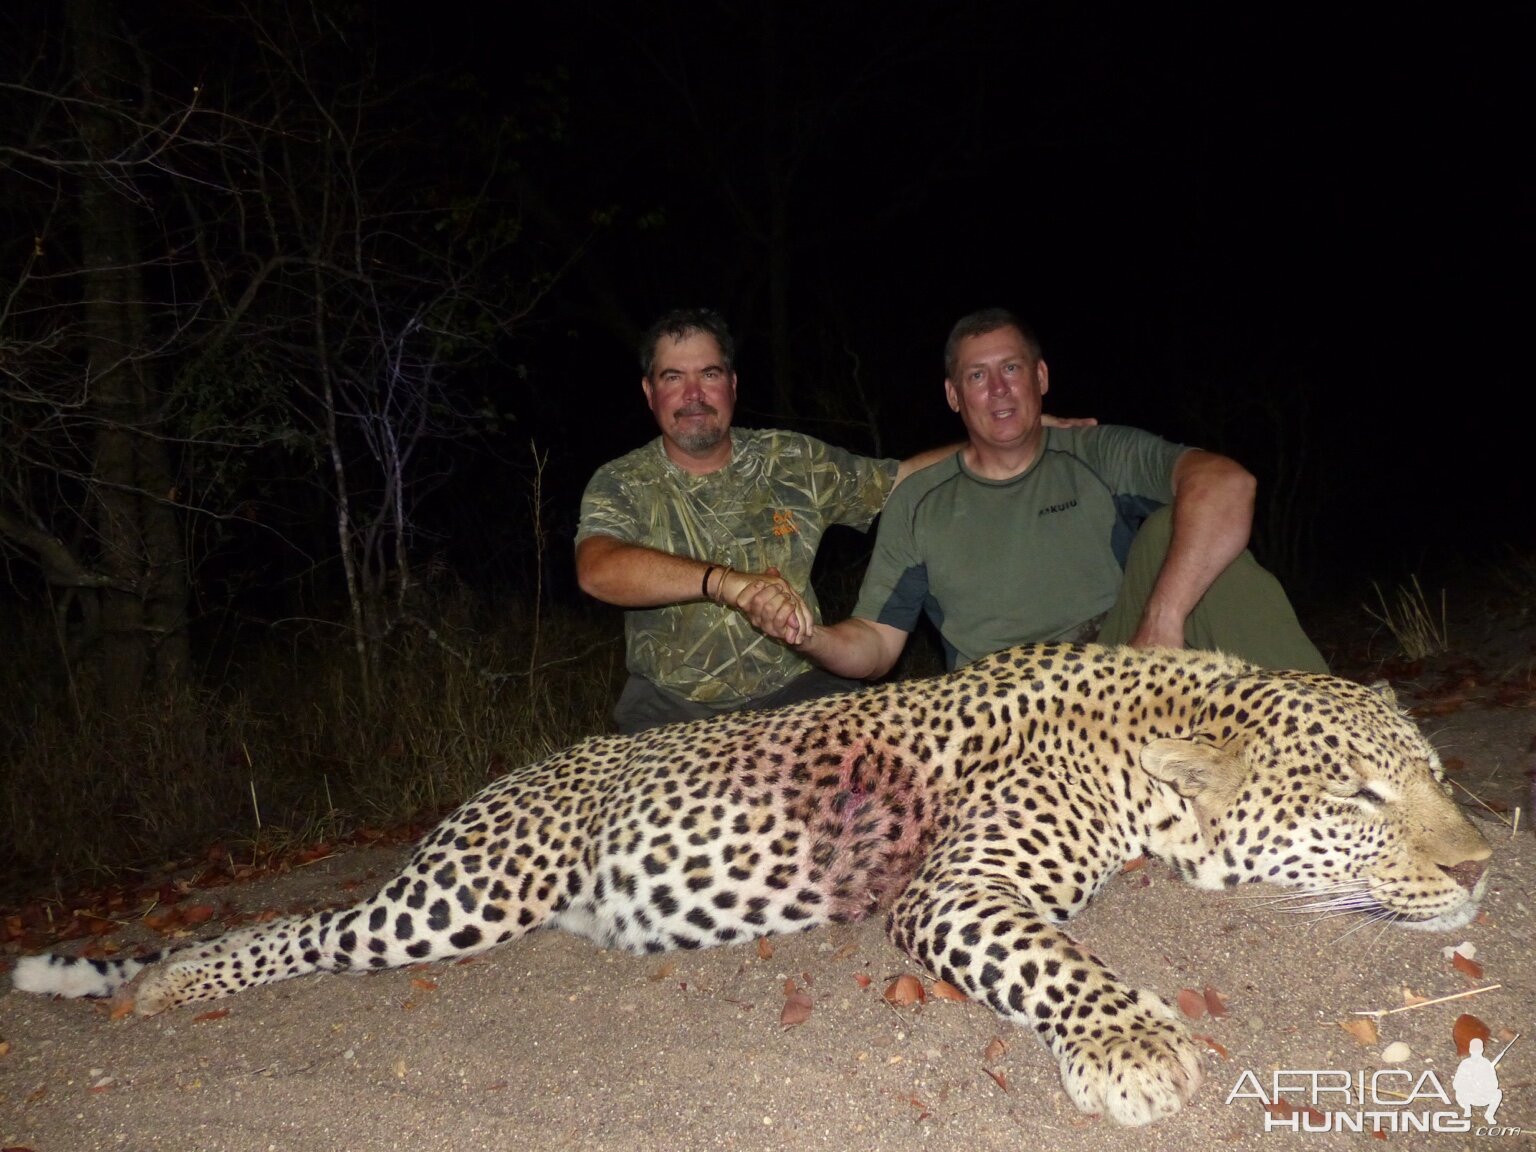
(1038, 557)
(767, 508)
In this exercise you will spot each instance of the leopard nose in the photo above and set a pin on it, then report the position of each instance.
(1467, 873)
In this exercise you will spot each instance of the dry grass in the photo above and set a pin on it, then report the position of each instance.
(286, 749)
(1419, 632)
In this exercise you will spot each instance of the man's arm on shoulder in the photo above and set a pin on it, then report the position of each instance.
(933, 455)
(923, 459)
(1212, 519)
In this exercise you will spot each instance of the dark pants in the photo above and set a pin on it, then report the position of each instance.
(1245, 613)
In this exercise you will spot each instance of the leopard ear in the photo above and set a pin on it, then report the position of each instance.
(1384, 689)
(1191, 767)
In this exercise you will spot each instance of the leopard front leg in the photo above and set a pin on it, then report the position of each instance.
(1122, 1051)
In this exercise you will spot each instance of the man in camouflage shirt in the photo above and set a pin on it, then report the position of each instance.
(680, 531)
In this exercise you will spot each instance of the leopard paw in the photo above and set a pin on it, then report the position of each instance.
(1135, 1063)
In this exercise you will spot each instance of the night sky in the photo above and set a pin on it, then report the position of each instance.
(1303, 238)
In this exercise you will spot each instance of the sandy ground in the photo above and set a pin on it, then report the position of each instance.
(551, 1043)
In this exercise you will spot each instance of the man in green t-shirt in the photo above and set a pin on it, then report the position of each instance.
(678, 531)
(1033, 533)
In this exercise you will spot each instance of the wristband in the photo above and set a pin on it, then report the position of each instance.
(704, 584)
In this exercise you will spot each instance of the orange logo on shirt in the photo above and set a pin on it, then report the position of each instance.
(784, 524)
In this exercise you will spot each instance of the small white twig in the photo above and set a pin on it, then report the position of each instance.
(1379, 1012)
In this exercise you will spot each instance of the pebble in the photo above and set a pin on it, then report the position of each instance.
(1396, 1052)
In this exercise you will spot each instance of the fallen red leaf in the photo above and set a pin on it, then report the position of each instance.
(423, 983)
(797, 1010)
(1135, 865)
(215, 1014)
(764, 949)
(944, 990)
(995, 1049)
(862, 979)
(1466, 966)
(196, 913)
(1191, 1003)
(904, 991)
(997, 1078)
(1214, 1045)
(1215, 1003)
(1466, 1029)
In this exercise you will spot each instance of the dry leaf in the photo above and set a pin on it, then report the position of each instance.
(1363, 1029)
(995, 1050)
(1466, 1029)
(904, 991)
(797, 1010)
(120, 1006)
(5, 1047)
(1466, 966)
(1214, 1045)
(1412, 999)
(790, 987)
(667, 968)
(845, 951)
(997, 1078)
(399, 1069)
(423, 983)
(1135, 865)
(1215, 1003)
(196, 913)
(944, 990)
(1191, 1003)
(214, 1014)
(862, 979)
(764, 949)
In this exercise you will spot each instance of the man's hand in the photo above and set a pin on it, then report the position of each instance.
(1068, 421)
(770, 603)
(1152, 634)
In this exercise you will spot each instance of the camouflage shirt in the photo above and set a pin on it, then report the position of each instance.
(767, 508)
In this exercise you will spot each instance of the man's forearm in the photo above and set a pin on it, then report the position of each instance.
(633, 576)
(1212, 521)
(857, 649)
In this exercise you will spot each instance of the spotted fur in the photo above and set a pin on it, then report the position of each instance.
(981, 809)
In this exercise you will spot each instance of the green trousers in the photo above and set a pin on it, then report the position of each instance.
(1244, 613)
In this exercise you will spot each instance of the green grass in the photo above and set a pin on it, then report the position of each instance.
(1418, 629)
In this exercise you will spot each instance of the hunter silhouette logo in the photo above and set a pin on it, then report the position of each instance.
(1476, 1082)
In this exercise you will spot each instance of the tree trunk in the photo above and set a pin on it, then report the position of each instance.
(143, 618)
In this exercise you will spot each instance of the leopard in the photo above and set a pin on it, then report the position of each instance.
(979, 810)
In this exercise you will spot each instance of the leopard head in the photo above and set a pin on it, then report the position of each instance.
(1324, 785)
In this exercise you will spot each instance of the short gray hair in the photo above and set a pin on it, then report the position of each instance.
(979, 324)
